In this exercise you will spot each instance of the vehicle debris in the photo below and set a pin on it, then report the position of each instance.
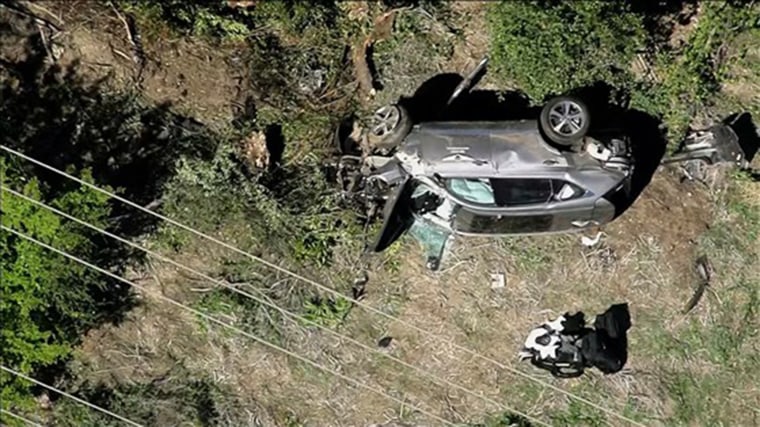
(384, 342)
(591, 241)
(498, 280)
(359, 287)
(566, 346)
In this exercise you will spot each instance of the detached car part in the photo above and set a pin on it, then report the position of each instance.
(718, 144)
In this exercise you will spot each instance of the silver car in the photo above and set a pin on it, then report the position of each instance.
(553, 173)
(440, 179)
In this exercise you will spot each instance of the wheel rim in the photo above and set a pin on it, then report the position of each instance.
(385, 120)
(566, 118)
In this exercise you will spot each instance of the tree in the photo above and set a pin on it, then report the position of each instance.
(46, 300)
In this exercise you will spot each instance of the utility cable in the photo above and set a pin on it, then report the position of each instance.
(20, 418)
(61, 392)
(264, 300)
(364, 305)
(210, 318)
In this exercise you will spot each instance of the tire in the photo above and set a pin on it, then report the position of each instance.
(389, 126)
(565, 120)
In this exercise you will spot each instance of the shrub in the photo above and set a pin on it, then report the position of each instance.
(692, 76)
(47, 301)
(548, 47)
(329, 312)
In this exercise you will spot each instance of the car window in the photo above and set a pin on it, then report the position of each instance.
(470, 222)
(521, 191)
(472, 190)
(563, 190)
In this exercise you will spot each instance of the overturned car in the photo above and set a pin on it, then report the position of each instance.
(491, 178)
(438, 179)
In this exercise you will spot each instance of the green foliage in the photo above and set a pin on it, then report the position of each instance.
(46, 301)
(242, 312)
(297, 206)
(217, 20)
(210, 19)
(578, 414)
(692, 76)
(548, 47)
(328, 312)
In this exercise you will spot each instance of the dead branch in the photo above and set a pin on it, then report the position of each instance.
(138, 54)
(28, 14)
(45, 43)
(361, 67)
(45, 10)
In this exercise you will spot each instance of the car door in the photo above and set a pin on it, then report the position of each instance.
(519, 206)
(397, 216)
(572, 206)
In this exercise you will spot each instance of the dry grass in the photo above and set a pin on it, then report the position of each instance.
(645, 259)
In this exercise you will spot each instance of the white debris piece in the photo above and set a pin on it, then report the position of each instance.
(498, 280)
(591, 241)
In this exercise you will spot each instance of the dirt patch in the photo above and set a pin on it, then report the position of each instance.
(194, 77)
(673, 212)
(471, 16)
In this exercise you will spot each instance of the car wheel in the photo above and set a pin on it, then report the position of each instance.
(389, 126)
(565, 120)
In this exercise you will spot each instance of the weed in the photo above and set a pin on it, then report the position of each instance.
(693, 76)
(210, 20)
(578, 414)
(178, 398)
(328, 312)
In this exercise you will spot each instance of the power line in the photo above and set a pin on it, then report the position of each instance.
(227, 325)
(61, 392)
(368, 307)
(264, 300)
(20, 418)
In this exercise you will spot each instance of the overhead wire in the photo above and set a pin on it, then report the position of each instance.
(264, 300)
(61, 392)
(210, 318)
(322, 287)
(20, 418)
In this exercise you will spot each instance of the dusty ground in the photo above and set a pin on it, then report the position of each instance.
(645, 258)
(191, 76)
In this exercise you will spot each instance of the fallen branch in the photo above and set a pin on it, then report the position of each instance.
(361, 67)
(45, 43)
(28, 14)
(43, 9)
(138, 54)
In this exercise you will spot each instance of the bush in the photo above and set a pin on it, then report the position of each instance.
(217, 20)
(548, 47)
(46, 300)
(692, 76)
